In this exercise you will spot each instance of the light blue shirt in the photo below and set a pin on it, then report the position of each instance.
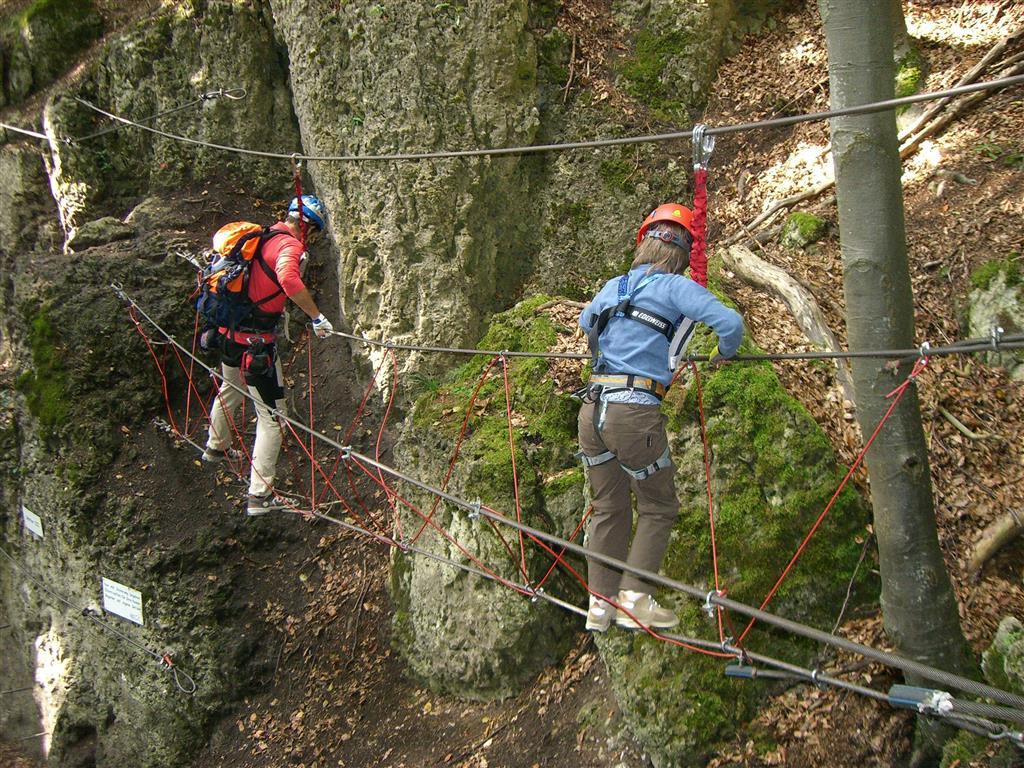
(630, 347)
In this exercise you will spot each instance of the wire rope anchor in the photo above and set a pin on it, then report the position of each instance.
(118, 289)
(815, 678)
(995, 337)
(475, 510)
(703, 146)
(346, 452)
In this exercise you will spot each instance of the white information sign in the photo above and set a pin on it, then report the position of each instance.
(33, 523)
(122, 600)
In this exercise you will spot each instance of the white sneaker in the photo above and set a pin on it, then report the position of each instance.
(600, 615)
(646, 612)
(216, 455)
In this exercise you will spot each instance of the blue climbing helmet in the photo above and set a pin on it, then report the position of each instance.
(313, 210)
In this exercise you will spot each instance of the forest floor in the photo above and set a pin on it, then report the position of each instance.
(338, 696)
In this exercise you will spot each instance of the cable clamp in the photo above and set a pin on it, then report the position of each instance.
(346, 452)
(474, 510)
(938, 702)
(727, 646)
(403, 548)
(703, 146)
(995, 336)
(536, 593)
(166, 661)
(709, 607)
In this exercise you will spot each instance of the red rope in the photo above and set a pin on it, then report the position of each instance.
(895, 395)
(312, 445)
(575, 533)
(698, 252)
(711, 502)
(380, 437)
(188, 395)
(512, 452)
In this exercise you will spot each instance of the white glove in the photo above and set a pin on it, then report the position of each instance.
(322, 326)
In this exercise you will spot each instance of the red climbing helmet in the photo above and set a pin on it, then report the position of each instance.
(674, 212)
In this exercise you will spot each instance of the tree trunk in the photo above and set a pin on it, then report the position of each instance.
(900, 38)
(918, 605)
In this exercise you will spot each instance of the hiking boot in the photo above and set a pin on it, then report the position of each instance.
(647, 612)
(260, 505)
(600, 615)
(216, 455)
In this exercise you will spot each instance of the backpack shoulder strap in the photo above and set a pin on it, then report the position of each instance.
(264, 236)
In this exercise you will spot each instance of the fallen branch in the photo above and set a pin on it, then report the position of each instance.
(800, 302)
(995, 537)
(962, 428)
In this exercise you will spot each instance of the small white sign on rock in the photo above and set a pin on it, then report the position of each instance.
(33, 523)
(122, 600)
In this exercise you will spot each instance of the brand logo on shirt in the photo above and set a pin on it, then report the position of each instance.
(643, 317)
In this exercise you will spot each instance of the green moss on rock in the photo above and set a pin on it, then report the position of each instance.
(801, 229)
(460, 633)
(982, 277)
(45, 384)
(911, 70)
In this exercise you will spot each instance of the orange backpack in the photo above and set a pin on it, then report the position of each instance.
(224, 284)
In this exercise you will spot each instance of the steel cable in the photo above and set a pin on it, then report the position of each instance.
(878, 106)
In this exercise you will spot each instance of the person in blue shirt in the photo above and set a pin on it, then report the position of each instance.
(638, 326)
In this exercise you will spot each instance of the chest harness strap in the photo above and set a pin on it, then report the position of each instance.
(625, 308)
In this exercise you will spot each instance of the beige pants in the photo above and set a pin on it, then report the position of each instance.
(636, 435)
(268, 431)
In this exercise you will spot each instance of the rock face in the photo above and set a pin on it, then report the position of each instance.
(427, 248)
(160, 65)
(460, 632)
(1003, 662)
(41, 42)
(998, 301)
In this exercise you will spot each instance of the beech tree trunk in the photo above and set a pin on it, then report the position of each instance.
(918, 605)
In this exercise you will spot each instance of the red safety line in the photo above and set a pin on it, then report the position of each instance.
(444, 534)
(356, 419)
(188, 394)
(558, 557)
(512, 451)
(451, 466)
(711, 502)
(698, 251)
(312, 445)
(575, 533)
(159, 368)
(895, 395)
(380, 437)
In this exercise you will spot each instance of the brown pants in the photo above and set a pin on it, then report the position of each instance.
(636, 435)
